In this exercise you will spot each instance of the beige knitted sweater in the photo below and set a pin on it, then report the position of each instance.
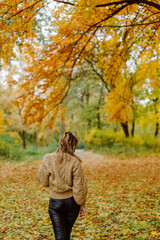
(65, 178)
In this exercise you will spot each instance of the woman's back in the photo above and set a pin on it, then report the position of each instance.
(65, 176)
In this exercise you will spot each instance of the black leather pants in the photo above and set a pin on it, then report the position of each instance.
(63, 213)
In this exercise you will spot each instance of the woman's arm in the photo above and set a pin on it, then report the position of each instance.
(44, 172)
(79, 184)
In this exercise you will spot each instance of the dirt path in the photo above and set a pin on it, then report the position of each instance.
(122, 166)
(88, 155)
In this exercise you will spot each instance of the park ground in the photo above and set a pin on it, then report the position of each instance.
(123, 199)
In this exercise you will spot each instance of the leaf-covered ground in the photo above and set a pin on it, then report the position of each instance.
(123, 200)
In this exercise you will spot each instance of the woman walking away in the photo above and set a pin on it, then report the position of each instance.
(62, 172)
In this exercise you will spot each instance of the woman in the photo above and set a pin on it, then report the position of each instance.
(62, 172)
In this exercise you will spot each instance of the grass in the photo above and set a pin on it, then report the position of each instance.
(34, 153)
(123, 150)
(31, 153)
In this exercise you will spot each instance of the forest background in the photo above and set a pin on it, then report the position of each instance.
(91, 67)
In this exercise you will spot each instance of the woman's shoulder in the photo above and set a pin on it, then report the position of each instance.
(49, 156)
(76, 160)
(73, 159)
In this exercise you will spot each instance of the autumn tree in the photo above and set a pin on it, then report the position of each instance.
(151, 76)
(78, 27)
(12, 114)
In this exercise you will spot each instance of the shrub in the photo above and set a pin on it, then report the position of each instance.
(9, 149)
(135, 141)
(81, 145)
(109, 138)
(100, 137)
(151, 141)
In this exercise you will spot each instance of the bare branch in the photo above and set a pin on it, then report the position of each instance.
(68, 3)
(111, 3)
(132, 25)
(98, 74)
(130, 2)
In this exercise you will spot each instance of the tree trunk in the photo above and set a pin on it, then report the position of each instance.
(157, 129)
(36, 137)
(23, 137)
(99, 106)
(134, 118)
(157, 121)
(133, 128)
(87, 97)
(98, 120)
(125, 129)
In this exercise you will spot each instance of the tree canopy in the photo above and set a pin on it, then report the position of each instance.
(115, 37)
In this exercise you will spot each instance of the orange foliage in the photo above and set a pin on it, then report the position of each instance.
(119, 104)
(79, 26)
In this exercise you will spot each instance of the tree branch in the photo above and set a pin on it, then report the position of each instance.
(111, 3)
(98, 74)
(68, 3)
(132, 25)
(130, 2)
(20, 11)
